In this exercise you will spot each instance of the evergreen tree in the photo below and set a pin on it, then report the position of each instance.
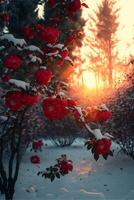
(103, 40)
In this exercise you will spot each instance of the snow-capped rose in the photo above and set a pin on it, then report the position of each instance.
(102, 146)
(43, 76)
(12, 62)
(13, 100)
(35, 159)
(54, 108)
(49, 35)
(28, 33)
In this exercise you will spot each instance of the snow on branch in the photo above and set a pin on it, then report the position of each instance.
(20, 84)
(35, 58)
(52, 54)
(15, 41)
(69, 59)
(34, 48)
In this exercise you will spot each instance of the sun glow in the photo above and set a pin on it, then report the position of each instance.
(85, 80)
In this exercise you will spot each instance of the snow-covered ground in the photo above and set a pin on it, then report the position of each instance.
(90, 180)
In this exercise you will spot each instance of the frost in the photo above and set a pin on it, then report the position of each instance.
(34, 48)
(20, 84)
(11, 38)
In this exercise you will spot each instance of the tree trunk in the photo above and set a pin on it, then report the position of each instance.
(8, 178)
(110, 67)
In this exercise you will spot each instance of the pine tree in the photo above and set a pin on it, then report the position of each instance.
(103, 40)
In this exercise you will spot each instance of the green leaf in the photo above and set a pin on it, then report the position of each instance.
(86, 143)
(89, 146)
(105, 156)
(52, 177)
(93, 150)
(57, 175)
(111, 153)
(96, 157)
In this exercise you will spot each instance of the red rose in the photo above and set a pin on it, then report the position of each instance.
(13, 100)
(75, 5)
(37, 145)
(103, 146)
(91, 117)
(60, 62)
(64, 53)
(66, 166)
(76, 115)
(102, 116)
(54, 108)
(49, 35)
(5, 17)
(40, 143)
(35, 159)
(28, 33)
(39, 27)
(43, 76)
(6, 78)
(51, 3)
(71, 103)
(29, 100)
(12, 61)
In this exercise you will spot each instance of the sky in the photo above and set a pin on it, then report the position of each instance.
(126, 24)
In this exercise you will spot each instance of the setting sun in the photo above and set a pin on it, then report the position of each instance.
(85, 76)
